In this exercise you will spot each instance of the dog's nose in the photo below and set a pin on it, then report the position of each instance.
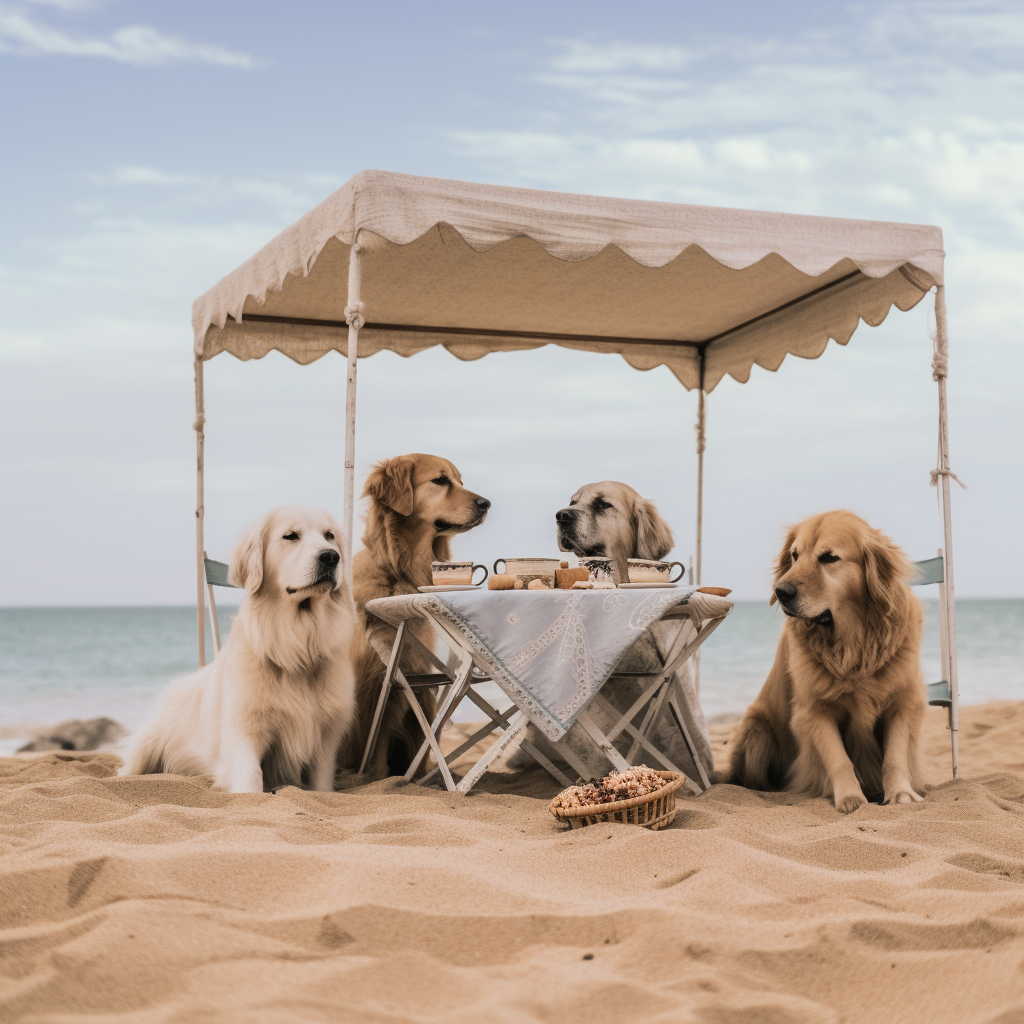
(329, 558)
(483, 504)
(565, 516)
(785, 592)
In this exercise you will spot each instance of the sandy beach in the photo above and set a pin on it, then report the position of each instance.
(159, 899)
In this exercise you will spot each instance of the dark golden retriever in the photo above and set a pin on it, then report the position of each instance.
(417, 503)
(841, 711)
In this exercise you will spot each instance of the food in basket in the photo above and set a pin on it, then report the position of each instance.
(638, 781)
(538, 585)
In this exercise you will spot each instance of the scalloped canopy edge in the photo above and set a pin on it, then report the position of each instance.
(655, 278)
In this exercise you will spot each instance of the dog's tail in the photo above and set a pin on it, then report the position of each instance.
(758, 759)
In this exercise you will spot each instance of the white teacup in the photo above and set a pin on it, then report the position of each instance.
(528, 567)
(646, 570)
(455, 574)
(602, 570)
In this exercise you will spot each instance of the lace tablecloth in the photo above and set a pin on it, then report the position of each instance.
(552, 651)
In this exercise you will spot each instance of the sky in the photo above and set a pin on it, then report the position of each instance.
(148, 149)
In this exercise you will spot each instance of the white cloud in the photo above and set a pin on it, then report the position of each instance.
(289, 200)
(970, 27)
(913, 112)
(579, 56)
(140, 45)
(66, 5)
(136, 175)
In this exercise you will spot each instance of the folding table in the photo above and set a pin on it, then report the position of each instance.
(554, 674)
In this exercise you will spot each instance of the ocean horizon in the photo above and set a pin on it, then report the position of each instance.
(63, 663)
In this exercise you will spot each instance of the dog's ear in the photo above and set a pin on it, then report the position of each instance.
(341, 538)
(886, 571)
(886, 611)
(390, 484)
(247, 561)
(783, 563)
(653, 537)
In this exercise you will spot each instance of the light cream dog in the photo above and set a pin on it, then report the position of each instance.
(273, 707)
(841, 710)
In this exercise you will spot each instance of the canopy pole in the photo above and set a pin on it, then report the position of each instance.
(701, 423)
(940, 478)
(355, 320)
(702, 403)
(197, 426)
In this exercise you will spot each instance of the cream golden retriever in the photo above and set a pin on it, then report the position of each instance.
(416, 504)
(273, 707)
(841, 711)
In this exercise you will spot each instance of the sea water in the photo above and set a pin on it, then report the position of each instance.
(60, 663)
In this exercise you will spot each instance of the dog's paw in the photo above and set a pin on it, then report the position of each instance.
(849, 802)
(902, 795)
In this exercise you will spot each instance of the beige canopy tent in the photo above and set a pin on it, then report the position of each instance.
(399, 262)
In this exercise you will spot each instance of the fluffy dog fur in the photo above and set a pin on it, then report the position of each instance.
(612, 520)
(416, 504)
(840, 713)
(272, 708)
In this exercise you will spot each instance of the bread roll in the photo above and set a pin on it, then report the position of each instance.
(565, 578)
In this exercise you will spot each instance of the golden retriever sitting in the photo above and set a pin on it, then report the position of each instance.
(417, 503)
(612, 520)
(272, 708)
(840, 713)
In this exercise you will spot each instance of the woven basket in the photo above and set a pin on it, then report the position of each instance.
(654, 811)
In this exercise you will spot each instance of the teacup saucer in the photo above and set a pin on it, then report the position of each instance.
(448, 587)
(647, 586)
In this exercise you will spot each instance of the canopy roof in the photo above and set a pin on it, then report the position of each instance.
(483, 268)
